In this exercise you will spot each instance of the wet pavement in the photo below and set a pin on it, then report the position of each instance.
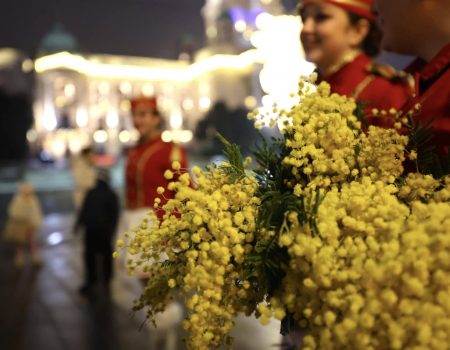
(41, 308)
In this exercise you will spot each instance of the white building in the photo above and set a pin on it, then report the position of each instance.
(83, 98)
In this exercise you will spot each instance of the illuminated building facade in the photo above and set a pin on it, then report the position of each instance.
(83, 98)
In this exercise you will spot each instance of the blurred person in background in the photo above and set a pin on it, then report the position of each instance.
(23, 224)
(342, 38)
(144, 173)
(422, 28)
(147, 162)
(98, 216)
(84, 174)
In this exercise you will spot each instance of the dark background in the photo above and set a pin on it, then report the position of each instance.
(153, 28)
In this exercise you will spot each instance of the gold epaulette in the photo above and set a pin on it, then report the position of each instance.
(390, 73)
(386, 71)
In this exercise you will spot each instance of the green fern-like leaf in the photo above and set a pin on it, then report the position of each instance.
(420, 139)
(359, 113)
(267, 266)
(271, 174)
(235, 169)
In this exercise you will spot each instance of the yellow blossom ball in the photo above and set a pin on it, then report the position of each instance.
(168, 174)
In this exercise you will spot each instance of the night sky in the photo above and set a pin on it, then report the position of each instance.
(153, 28)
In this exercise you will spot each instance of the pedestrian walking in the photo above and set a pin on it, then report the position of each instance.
(98, 216)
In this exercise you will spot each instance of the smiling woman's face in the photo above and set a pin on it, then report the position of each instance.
(146, 121)
(327, 34)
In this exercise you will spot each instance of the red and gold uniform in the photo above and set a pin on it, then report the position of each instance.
(145, 167)
(356, 75)
(377, 86)
(147, 163)
(432, 94)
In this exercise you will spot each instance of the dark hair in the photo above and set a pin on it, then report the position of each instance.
(371, 43)
(86, 151)
(162, 121)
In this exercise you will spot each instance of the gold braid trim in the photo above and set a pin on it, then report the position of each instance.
(354, 3)
(362, 85)
(140, 173)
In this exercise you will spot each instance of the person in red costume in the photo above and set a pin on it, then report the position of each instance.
(422, 28)
(146, 164)
(150, 158)
(341, 38)
(145, 167)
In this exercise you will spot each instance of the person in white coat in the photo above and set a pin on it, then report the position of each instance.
(24, 222)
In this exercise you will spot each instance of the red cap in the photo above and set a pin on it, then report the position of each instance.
(145, 101)
(359, 7)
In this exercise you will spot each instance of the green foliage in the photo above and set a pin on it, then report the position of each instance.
(276, 205)
(420, 140)
(271, 174)
(266, 267)
(359, 113)
(235, 170)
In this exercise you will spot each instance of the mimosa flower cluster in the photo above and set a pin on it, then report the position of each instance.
(200, 247)
(328, 231)
(373, 275)
(377, 277)
(327, 145)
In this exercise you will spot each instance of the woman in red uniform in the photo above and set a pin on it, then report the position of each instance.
(150, 158)
(145, 167)
(146, 163)
(341, 38)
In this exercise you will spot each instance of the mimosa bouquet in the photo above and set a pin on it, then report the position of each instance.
(321, 228)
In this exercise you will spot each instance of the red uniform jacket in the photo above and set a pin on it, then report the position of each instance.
(145, 167)
(378, 86)
(432, 92)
